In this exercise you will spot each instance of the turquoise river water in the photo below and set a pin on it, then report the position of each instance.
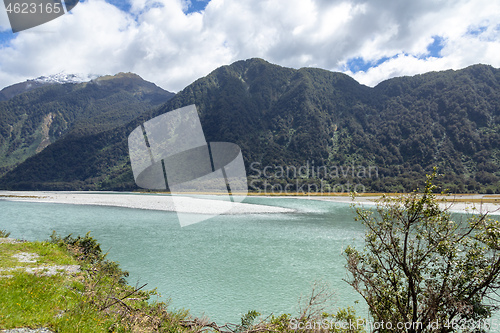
(222, 267)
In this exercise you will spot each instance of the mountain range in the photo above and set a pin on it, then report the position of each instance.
(307, 127)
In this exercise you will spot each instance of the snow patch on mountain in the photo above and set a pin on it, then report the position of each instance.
(62, 78)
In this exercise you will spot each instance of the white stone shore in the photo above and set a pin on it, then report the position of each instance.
(183, 204)
(460, 203)
(196, 205)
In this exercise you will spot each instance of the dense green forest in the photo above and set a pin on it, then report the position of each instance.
(311, 130)
(31, 121)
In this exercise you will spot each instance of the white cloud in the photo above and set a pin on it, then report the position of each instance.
(461, 48)
(161, 43)
(401, 65)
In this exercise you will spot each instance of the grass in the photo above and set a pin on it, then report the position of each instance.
(29, 300)
(48, 254)
(97, 299)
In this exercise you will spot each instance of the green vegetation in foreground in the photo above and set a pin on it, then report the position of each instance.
(422, 268)
(48, 254)
(98, 299)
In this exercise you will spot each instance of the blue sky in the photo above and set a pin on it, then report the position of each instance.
(174, 42)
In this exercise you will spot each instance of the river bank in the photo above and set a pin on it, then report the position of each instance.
(460, 203)
(150, 201)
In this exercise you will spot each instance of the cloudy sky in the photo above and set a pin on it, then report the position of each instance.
(174, 42)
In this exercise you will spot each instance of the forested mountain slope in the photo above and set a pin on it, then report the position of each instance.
(33, 118)
(284, 118)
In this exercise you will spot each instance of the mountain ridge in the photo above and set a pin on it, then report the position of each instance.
(286, 117)
(31, 120)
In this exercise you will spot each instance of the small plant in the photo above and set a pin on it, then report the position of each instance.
(247, 320)
(84, 248)
(4, 234)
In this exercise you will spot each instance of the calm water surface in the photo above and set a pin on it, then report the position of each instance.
(222, 267)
